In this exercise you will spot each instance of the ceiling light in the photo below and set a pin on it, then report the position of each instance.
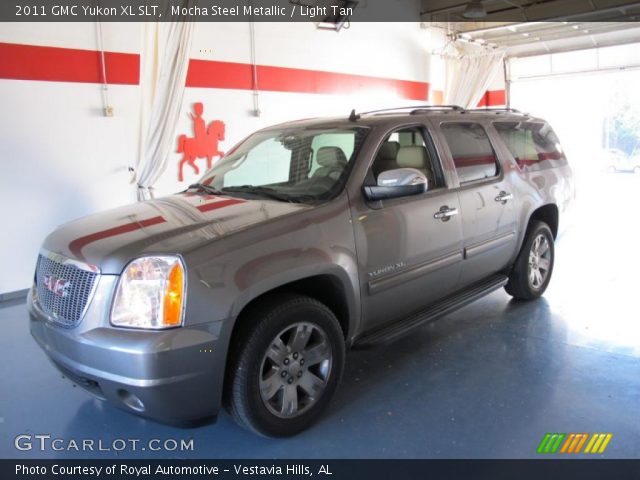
(474, 10)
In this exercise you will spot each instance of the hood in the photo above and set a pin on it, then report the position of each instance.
(173, 224)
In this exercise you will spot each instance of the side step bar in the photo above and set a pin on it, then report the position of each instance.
(439, 309)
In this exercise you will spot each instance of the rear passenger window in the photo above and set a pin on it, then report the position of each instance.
(531, 144)
(471, 150)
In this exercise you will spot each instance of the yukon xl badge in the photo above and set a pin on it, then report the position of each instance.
(386, 269)
(58, 286)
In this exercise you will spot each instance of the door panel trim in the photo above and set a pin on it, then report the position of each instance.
(482, 247)
(411, 273)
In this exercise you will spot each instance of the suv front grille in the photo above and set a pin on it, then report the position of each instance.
(64, 288)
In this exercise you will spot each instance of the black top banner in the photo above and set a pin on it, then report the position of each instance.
(319, 11)
(210, 10)
(323, 469)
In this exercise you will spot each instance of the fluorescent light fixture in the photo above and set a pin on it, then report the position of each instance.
(474, 10)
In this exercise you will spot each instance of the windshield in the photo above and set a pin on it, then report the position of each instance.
(292, 164)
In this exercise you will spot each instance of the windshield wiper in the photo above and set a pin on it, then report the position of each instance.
(264, 192)
(205, 188)
(252, 190)
(260, 191)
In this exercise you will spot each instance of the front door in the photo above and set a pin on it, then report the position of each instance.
(410, 248)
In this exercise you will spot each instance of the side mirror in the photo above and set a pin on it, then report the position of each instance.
(399, 182)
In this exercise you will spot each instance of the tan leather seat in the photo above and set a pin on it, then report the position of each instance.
(416, 156)
(332, 161)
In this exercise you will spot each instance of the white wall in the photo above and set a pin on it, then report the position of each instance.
(62, 159)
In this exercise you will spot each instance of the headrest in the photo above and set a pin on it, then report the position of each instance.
(331, 157)
(389, 150)
(412, 156)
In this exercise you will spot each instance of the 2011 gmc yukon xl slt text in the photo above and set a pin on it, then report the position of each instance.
(306, 239)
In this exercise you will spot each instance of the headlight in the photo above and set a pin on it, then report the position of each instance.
(150, 294)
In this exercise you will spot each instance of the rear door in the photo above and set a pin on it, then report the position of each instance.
(487, 200)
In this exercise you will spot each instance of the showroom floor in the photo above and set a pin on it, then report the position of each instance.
(487, 381)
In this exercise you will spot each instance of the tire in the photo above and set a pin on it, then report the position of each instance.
(268, 368)
(524, 283)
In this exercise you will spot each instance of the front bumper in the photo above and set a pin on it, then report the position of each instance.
(172, 376)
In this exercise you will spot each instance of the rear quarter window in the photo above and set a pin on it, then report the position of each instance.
(533, 145)
(472, 153)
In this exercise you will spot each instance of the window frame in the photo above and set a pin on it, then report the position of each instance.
(432, 149)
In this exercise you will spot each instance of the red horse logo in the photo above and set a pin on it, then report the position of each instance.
(204, 144)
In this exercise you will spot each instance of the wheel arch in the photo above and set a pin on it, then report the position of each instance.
(548, 214)
(329, 288)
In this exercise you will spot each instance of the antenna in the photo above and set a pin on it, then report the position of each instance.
(353, 116)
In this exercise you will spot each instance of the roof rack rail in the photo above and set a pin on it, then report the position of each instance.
(416, 107)
(438, 108)
(497, 110)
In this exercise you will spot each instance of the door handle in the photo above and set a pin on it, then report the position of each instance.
(445, 213)
(503, 197)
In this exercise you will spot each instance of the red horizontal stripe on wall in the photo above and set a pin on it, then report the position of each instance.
(213, 74)
(493, 98)
(208, 74)
(54, 64)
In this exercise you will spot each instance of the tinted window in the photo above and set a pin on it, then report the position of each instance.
(471, 150)
(531, 143)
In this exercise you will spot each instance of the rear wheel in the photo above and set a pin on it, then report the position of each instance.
(286, 367)
(533, 268)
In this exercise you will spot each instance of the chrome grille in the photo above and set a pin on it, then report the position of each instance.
(64, 287)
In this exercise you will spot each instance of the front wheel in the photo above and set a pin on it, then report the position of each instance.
(286, 366)
(532, 271)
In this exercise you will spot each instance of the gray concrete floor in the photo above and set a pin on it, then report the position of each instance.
(486, 382)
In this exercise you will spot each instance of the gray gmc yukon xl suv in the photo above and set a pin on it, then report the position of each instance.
(306, 239)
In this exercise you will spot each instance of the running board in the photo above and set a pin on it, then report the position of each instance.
(439, 309)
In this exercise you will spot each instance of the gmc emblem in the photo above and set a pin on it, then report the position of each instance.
(58, 286)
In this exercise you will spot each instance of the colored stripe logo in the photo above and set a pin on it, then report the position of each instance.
(574, 443)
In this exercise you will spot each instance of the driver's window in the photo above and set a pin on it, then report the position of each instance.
(407, 148)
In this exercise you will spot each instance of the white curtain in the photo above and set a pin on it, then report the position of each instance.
(469, 75)
(163, 71)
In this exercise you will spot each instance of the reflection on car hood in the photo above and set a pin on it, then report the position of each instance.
(173, 224)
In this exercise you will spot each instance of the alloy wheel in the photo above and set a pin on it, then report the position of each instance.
(295, 369)
(539, 261)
